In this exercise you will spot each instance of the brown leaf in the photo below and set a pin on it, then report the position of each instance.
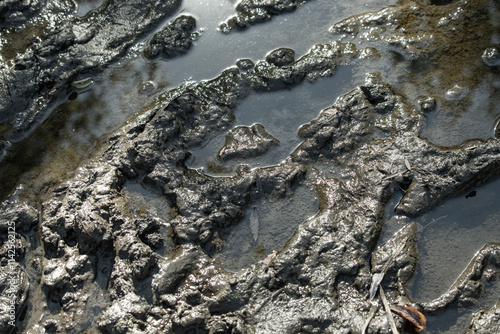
(410, 314)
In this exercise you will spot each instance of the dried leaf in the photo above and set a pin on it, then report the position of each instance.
(254, 223)
(410, 314)
(267, 261)
(407, 164)
(391, 176)
(376, 279)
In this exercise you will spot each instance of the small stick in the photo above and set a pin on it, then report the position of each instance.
(407, 164)
(377, 278)
(388, 312)
(390, 167)
(373, 310)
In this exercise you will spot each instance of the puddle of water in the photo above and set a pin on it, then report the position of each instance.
(115, 96)
(277, 222)
(86, 6)
(474, 117)
(299, 30)
(453, 121)
(452, 320)
(281, 113)
(456, 118)
(448, 238)
(115, 91)
(462, 227)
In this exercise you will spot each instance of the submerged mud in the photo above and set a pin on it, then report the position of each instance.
(96, 254)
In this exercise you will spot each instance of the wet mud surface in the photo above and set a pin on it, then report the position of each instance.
(206, 208)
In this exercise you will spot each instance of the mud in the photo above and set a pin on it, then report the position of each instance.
(175, 39)
(252, 11)
(246, 142)
(61, 49)
(136, 241)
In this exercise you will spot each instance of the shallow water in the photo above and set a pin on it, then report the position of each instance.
(75, 126)
(116, 95)
(281, 113)
(277, 221)
(215, 51)
(448, 236)
(85, 6)
(476, 116)
(453, 234)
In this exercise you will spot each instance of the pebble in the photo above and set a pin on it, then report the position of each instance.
(456, 93)
(491, 57)
(148, 87)
(244, 64)
(427, 104)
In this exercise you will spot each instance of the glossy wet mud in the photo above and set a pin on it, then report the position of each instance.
(167, 235)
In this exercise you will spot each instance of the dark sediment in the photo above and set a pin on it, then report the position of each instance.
(86, 262)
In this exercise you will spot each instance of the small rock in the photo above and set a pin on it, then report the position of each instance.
(369, 53)
(491, 57)
(244, 64)
(175, 39)
(281, 57)
(456, 93)
(147, 87)
(427, 104)
(138, 255)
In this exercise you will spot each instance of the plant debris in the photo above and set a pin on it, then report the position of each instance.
(410, 314)
(84, 83)
(254, 223)
(388, 311)
(267, 261)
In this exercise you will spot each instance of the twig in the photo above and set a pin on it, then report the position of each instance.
(392, 176)
(378, 277)
(388, 312)
(373, 310)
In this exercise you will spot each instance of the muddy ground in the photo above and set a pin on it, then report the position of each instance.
(78, 256)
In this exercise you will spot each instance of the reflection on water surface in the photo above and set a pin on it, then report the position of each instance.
(448, 237)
